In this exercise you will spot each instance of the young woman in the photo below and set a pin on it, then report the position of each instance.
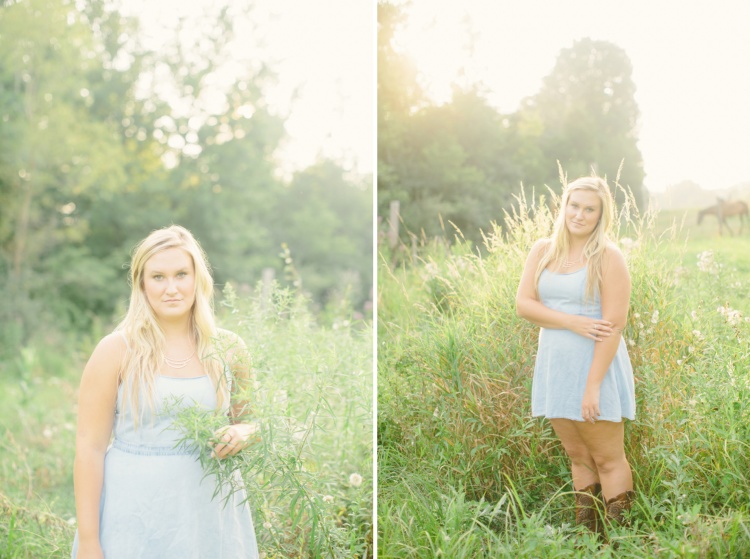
(576, 287)
(142, 496)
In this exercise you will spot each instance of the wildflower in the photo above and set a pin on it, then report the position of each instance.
(431, 271)
(637, 315)
(694, 315)
(627, 244)
(733, 316)
(655, 317)
(72, 520)
(691, 349)
(267, 525)
(328, 499)
(631, 342)
(355, 480)
(706, 262)
(640, 325)
(697, 334)
(679, 362)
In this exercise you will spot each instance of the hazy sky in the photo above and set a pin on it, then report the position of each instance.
(691, 67)
(321, 50)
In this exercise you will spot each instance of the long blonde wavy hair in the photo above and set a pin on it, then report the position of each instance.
(596, 246)
(144, 335)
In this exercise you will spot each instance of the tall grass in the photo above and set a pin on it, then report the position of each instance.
(308, 478)
(464, 471)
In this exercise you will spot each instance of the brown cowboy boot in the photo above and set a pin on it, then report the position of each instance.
(588, 508)
(616, 506)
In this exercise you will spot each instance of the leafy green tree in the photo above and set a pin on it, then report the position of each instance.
(326, 221)
(589, 115)
(51, 151)
(92, 158)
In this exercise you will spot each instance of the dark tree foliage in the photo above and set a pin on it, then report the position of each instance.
(464, 162)
(93, 158)
(590, 117)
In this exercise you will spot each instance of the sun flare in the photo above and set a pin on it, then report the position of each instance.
(439, 46)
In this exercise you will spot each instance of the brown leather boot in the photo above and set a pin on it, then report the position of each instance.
(589, 508)
(616, 506)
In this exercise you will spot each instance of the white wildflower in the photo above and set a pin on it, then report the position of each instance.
(628, 245)
(355, 480)
(694, 315)
(655, 317)
(706, 262)
(733, 316)
(328, 499)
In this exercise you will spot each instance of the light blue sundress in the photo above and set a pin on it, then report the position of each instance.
(156, 503)
(564, 358)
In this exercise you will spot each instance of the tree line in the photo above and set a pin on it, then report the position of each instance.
(103, 140)
(464, 161)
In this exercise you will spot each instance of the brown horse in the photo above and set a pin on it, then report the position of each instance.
(725, 209)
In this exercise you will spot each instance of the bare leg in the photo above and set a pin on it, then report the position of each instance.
(606, 442)
(597, 454)
(583, 465)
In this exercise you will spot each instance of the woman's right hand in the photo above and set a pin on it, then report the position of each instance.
(596, 329)
(89, 550)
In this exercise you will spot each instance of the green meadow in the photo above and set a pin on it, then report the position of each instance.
(463, 469)
(309, 478)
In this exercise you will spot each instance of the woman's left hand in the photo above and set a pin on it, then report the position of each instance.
(233, 438)
(590, 405)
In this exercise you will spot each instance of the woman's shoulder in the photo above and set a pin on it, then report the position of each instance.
(541, 246)
(615, 259)
(108, 354)
(229, 342)
(113, 343)
(227, 336)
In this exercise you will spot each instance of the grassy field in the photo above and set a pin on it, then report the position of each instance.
(464, 471)
(309, 481)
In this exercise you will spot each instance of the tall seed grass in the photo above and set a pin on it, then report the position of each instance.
(464, 470)
(313, 400)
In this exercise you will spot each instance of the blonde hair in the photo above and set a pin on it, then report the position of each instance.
(145, 336)
(596, 245)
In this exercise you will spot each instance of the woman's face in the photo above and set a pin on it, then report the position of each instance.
(582, 212)
(169, 283)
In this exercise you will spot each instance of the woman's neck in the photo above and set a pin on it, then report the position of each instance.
(176, 331)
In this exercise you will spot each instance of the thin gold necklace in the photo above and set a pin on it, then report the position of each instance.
(177, 363)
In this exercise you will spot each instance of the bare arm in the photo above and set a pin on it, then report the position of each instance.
(236, 436)
(615, 300)
(96, 410)
(529, 306)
